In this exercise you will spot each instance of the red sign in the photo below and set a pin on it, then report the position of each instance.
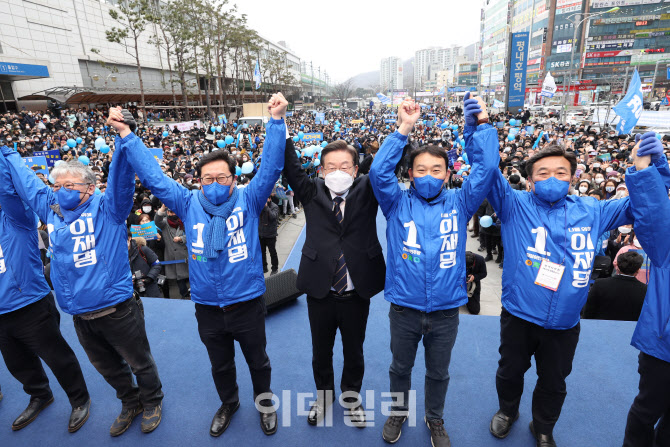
(642, 23)
(655, 50)
(602, 54)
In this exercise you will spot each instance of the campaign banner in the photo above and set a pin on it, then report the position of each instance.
(517, 70)
(357, 121)
(319, 118)
(148, 231)
(52, 156)
(453, 156)
(289, 114)
(280, 193)
(223, 119)
(157, 153)
(498, 104)
(39, 162)
(389, 121)
(313, 136)
(185, 126)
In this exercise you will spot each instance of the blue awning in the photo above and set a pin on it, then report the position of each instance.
(16, 71)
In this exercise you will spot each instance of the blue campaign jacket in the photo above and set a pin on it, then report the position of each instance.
(651, 208)
(21, 273)
(236, 275)
(565, 233)
(426, 240)
(89, 265)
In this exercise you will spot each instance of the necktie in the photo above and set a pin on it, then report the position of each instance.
(340, 278)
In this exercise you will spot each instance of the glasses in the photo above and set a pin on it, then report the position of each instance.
(69, 186)
(221, 180)
(346, 169)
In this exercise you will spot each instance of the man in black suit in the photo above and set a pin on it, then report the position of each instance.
(475, 271)
(621, 296)
(341, 268)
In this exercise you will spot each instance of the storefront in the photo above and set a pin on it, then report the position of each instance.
(15, 70)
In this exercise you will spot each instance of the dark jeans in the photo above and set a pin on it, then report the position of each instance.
(270, 243)
(438, 330)
(554, 351)
(326, 316)
(218, 329)
(117, 346)
(31, 333)
(651, 405)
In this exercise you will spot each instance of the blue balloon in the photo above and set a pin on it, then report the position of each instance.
(301, 135)
(71, 142)
(362, 127)
(235, 125)
(510, 137)
(247, 168)
(165, 133)
(456, 134)
(302, 126)
(444, 125)
(51, 179)
(388, 127)
(221, 144)
(253, 146)
(296, 138)
(454, 127)
(229, 139)
(238, 170)
(104, 149)
(213, 129)
(297, 152)
(336, 129)
(90, 129)
(97, 191)
(219, 128)
(324, 143)
(84, 160)
(99, 142)
(512, 122)
(79, 140)
(485, 221)
(316, 162)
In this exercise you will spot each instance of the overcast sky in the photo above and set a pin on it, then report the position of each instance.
(348, 37)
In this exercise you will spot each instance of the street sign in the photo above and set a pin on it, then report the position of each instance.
(668, 68)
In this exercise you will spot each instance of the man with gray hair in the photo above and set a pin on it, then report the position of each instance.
(91, 275)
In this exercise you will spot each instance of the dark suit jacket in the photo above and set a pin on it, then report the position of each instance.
(615, 298)
(326, 238)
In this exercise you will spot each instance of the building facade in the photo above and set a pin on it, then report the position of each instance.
(430, 60)
(390, 74)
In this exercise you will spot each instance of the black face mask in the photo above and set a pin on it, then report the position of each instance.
(173, 218)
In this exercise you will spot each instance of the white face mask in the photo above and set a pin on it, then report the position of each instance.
(609, 188)
(339, 182)
(583, 189)
(608, 170)
(624, 230)
(146, 209)
(637, 243)
(599, 180)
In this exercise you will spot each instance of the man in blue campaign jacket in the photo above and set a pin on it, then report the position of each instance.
(225, 260)
(91, 274)
(29, 320)
(651, 209)
(425, 275)
(550, 243)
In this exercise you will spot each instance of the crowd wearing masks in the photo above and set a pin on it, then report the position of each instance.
(559, 205)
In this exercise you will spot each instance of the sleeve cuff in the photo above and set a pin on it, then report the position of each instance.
(400, 136)
(126, 139)
(274, 121)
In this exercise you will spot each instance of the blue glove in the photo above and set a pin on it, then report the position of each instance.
(471, 109)
(649, 145)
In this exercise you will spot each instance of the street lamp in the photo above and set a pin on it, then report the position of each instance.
(566, 92)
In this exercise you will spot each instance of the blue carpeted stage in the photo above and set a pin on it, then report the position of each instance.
(600, 390)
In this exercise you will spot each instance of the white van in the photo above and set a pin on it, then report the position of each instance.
(253, 121)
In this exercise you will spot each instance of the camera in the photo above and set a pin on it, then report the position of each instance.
(160, 280)
(138, 281)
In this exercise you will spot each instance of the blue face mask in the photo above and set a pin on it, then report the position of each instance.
(428, 186)
(552, 189)
(216, 193)
(68, 199)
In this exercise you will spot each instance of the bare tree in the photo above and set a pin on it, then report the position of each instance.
(343, 91)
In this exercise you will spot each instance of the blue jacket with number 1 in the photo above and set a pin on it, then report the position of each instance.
(236, 275)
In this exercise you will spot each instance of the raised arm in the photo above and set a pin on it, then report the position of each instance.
(483, 151)
(30, 189)
(303, 187)
(272, 163)
(130, 147)
(10, 202)
(382, 172)
(650, 208)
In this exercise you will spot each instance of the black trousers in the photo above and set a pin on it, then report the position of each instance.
(651, 405)
(473, 304)
(118, 347)
(326, 316)
(245, 323)
(270, 243)
(31, 333)
(554, 351)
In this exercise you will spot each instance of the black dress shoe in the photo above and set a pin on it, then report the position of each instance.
(317, 412)
(222, 418)
(124, 419)
(78, 416)
(31, 412)
(542, 440)
(269, 423)
(502, 424)
(357, 416)
(488, 258)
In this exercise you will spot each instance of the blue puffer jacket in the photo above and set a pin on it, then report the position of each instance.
(89, 266)
(426, 240)
(565, 233)
(651, 208)
(236, 275)
(21, 274)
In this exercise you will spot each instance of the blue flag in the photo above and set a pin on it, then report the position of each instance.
(384, 99)
(257, 75)
(629, 108)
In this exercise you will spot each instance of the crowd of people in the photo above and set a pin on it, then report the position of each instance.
(526, 187)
